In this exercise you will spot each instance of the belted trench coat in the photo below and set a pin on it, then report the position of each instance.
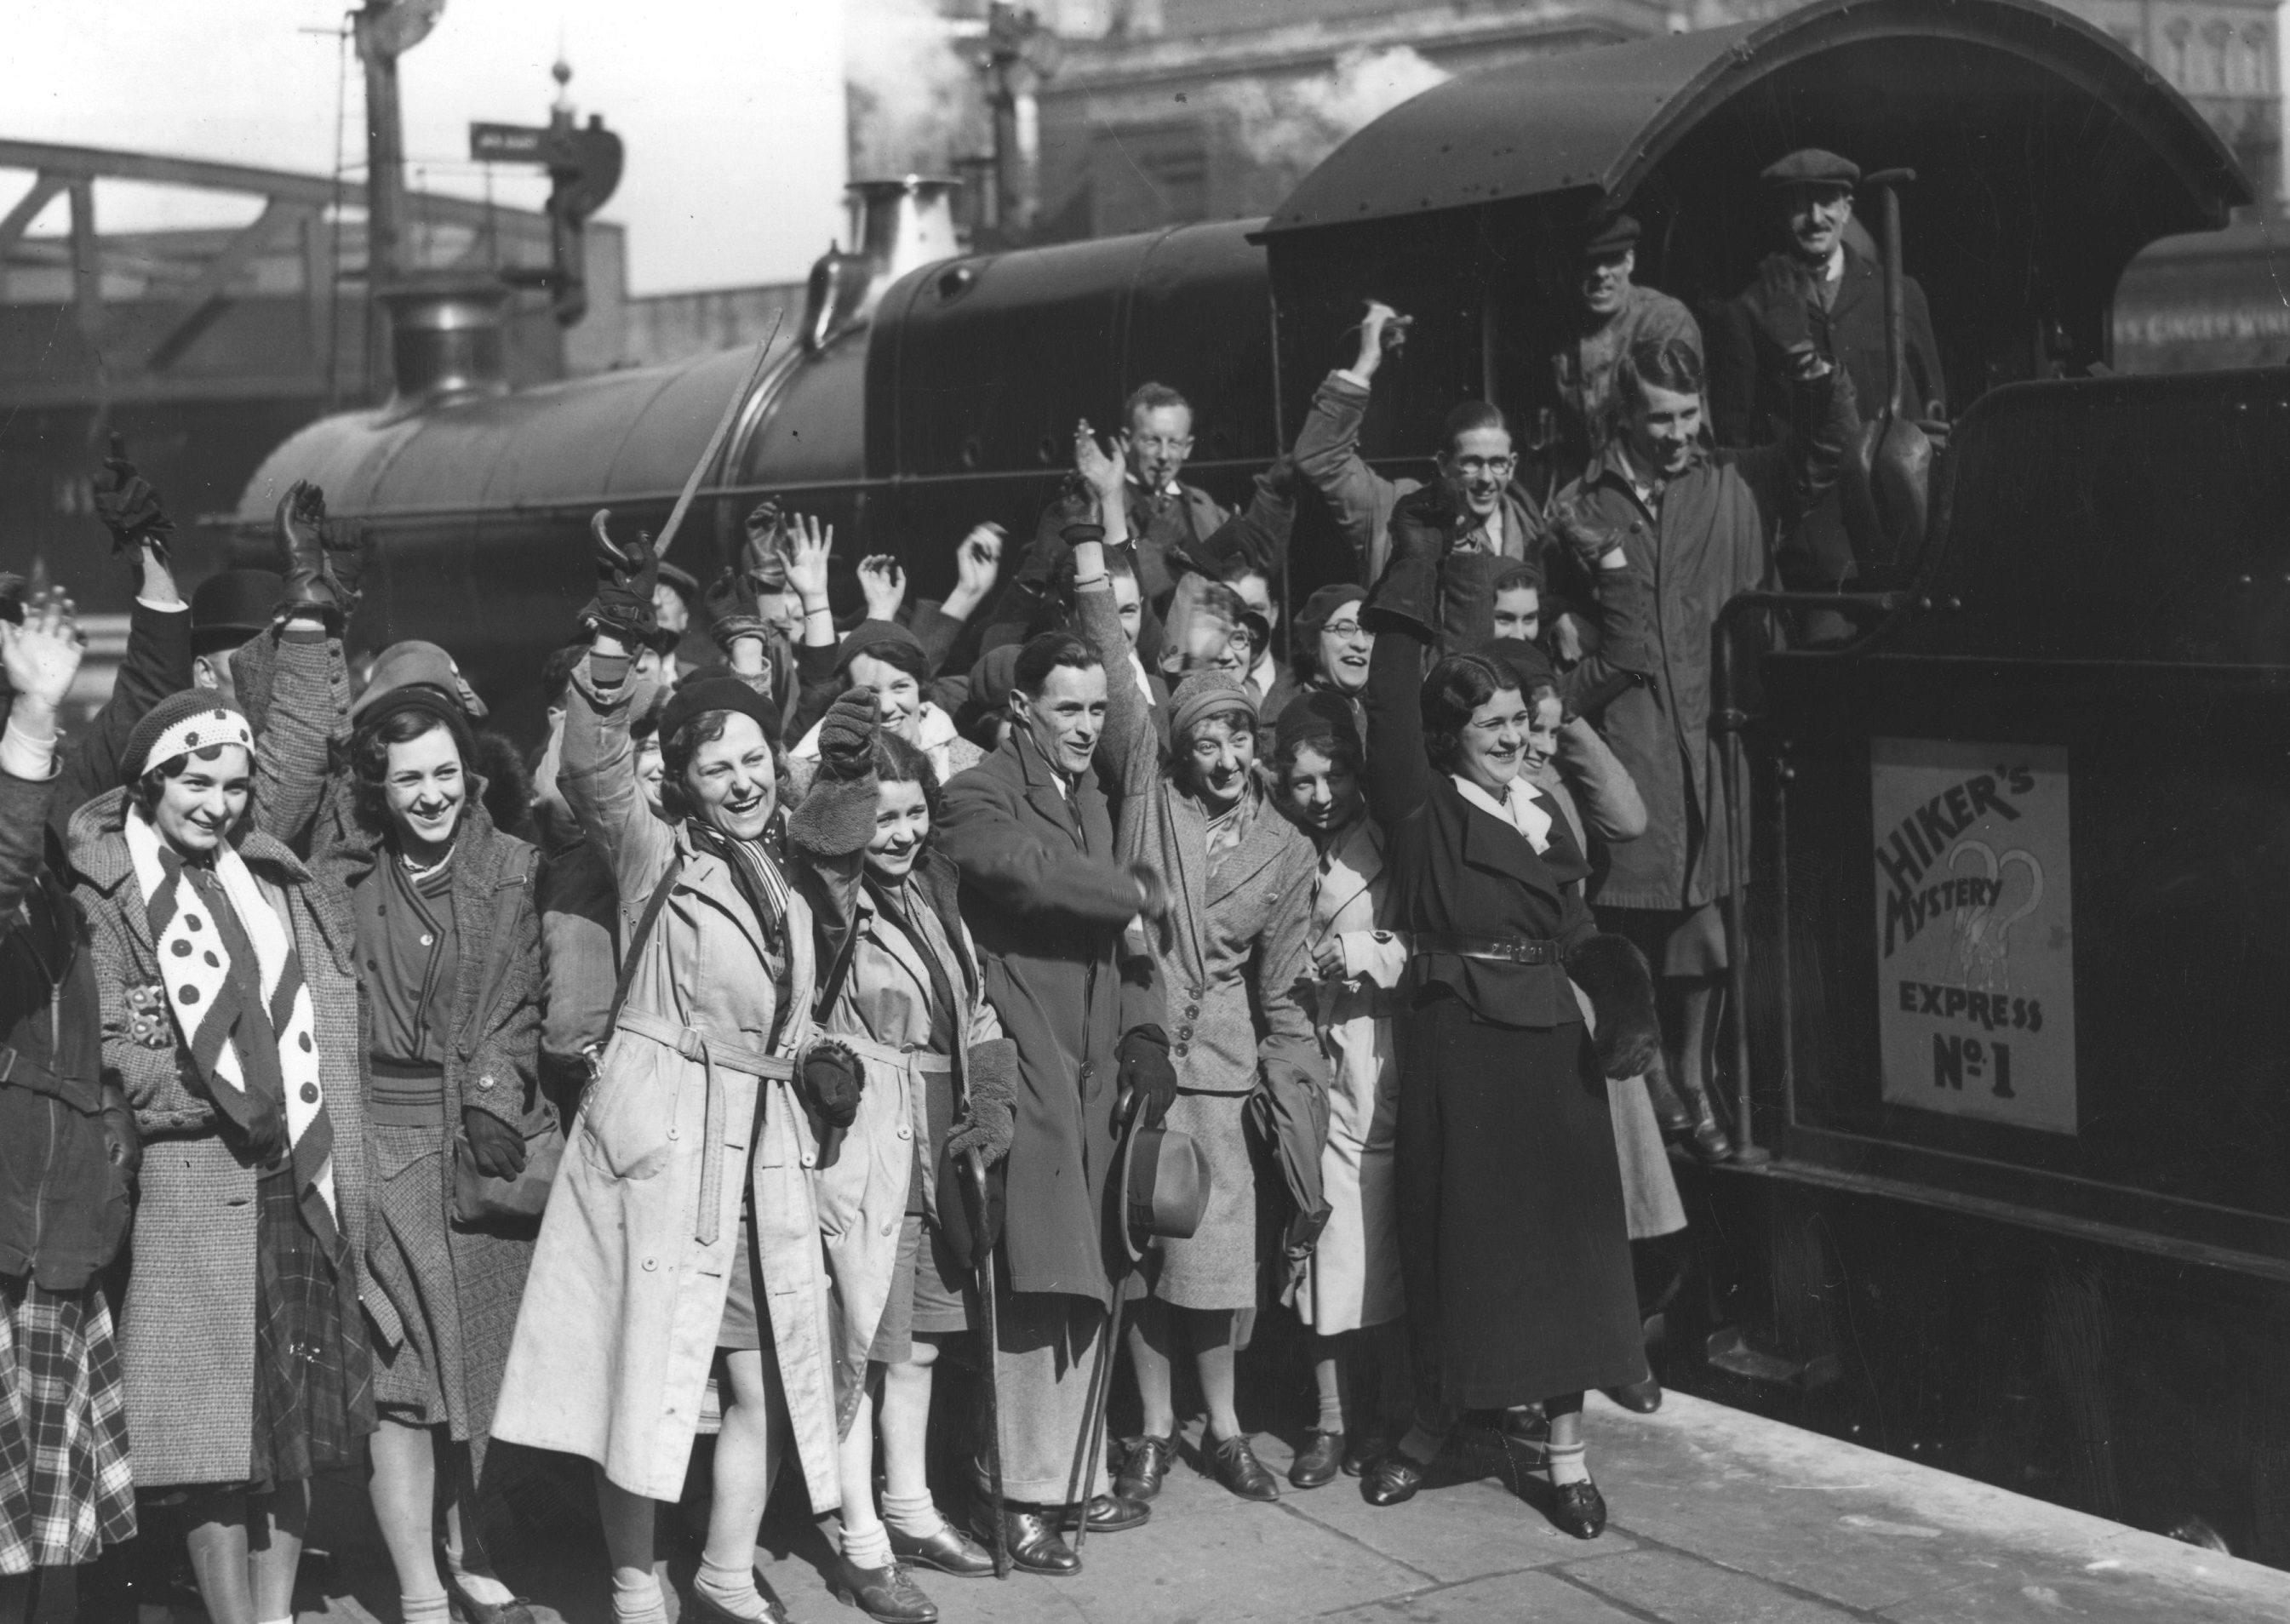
(617, 1333)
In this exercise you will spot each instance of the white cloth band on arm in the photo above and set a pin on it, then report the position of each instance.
(27, 756)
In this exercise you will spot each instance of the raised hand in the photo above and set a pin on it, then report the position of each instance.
(129, 508)
(302, 541)
(626, 574)
(810, 546)
(978, 561)
(1100, 466)
(885, 583)
(42, 655)
(846, 735)
(1381, 329)
(1781, 293)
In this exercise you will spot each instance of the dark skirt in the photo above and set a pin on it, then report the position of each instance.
(313, 1400)
(1513, 1245)
(65, 1489)
(929, 1293)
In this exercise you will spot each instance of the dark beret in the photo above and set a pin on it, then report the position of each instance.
(875, 635)
(1609, 234)
(1812, 166)
(1525, 662)
(1315, 716)
(696, 697)
(1325, 602)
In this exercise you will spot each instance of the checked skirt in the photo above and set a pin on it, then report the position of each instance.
(65, 1488)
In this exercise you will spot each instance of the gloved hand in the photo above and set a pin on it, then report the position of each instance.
(497, 1148)
(348, 548)
(846, 735)
(830, 1082)
(1146, 1072)
(263, 1137)
(990, 1107)
(1612, 971)
(730, 604)
(626, 574)
(1582, 536)
(129, 508)
(302, 555)
(123, 1140)
(1422, 523)
(1781, 293)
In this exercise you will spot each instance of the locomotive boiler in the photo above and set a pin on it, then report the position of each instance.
(2015, 1068)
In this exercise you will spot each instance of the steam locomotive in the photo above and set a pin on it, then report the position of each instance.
(2016, 1062)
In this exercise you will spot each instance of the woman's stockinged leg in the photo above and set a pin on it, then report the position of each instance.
(1568, 1451)
(745, 1467)
(865, 1542)
(1149, 1356)
(466, 1559)
(1210, 1331)
(907, 1503)
(1330, 1377)
(404, 1489)
(215, 1528)
(629, 1521)
(275, 1523)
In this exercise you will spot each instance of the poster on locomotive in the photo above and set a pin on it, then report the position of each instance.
(1975, 938)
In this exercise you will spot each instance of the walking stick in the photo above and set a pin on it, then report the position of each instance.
(975, 1164)
(715, 440)
(1101, 1384)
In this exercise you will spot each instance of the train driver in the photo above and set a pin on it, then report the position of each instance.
(1605, 316)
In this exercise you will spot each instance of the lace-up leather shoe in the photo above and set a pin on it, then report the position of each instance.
(949, 1550)
(1234, 1461)
(1111, 1514)
(1035, 1545)
(1143, 1468)
(1318, 1462)
(1392, 1479)
(1640, 1397)
(886, 1594)
(1581, 1511)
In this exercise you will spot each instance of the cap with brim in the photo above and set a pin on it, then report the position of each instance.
(1812, 166)
(1164, 1186)
(686, 584)
(1325, 602)
(994, 675)
(189, 719)
(417, 664)
(871, 634)
(695, 699)
(229, 607)
(416, 696)
(1609, 234)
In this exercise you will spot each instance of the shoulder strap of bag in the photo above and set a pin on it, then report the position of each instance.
(837, 974)
(636, 941)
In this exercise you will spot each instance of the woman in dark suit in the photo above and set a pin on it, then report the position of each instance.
(1513, 1245)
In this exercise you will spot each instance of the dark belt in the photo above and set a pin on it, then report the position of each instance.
(1490, 949)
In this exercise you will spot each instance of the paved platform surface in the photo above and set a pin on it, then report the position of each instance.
(1719, 1517)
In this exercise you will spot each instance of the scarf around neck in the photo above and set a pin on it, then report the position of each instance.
(250, 1027)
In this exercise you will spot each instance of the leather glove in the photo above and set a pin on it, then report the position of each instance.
(846, 736)
(989, 1109)
(1420, 524)
(122, 1140)
(1614, 974)
(832, 1082)
(347, 547)
(730, 604)
(497, 1148)
(1146, 1072)
(1582, 536)
(626, 575)
(301, 543)
(263, 1136)
(129, 508)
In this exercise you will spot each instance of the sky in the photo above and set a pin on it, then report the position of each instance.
(731, 110)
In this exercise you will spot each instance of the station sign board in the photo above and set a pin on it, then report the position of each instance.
(507, 143)
(1975, 937)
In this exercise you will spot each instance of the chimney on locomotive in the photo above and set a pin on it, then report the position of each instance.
(895, 226)
(448, 343)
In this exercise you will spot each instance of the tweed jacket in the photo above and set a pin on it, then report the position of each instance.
(1234, 955)
(1045, 899)
(187, 1321)
(492, 1065)
(616, 1336)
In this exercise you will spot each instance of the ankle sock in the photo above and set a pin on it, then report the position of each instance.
(424, 1609)
(638, 1600)
(731, 1588)
(866, 1547)
(915, 1516)
(1332, 1416)
(1568, 1463)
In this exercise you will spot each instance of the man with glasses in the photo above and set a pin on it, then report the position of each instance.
(1490, 514)
(1169, 520)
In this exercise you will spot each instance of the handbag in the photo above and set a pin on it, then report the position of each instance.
(480, 1198)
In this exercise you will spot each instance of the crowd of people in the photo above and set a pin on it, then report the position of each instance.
(1053, 981)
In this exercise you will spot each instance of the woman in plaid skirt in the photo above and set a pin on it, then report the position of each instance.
(69, 1147)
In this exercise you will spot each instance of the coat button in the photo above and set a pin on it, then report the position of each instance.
(1192, 1012)
(310, 1093)
(651, 1264)
(904, 1133)
(1185, 1032)
(806, 1158)
(671, 1134)
(425, 939)
(1181, 1048)
(888, 1227)
(486, 1081)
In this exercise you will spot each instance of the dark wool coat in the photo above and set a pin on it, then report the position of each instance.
(1749, 377)
(492, 1065)
(1046, 899)
(187, 1321)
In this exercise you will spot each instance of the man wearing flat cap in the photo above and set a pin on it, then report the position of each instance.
(1605, 317)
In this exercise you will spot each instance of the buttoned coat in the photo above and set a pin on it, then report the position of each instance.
(492, 1056)
(1045, 898)
(1710, 534)
(1232, 961)
(617, 1333)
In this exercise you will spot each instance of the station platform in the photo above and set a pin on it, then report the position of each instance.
(1718, 1517)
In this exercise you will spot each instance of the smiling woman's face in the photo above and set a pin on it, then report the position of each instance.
(197, 808)
(731, 782)
(424, 788)
(1493, 742)
(1218, 752)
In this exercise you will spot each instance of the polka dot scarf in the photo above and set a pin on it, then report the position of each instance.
(250, 1029)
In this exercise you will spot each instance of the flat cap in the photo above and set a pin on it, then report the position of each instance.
(1605, 233)
(1811, 166)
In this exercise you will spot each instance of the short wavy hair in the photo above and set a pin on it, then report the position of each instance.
(677, 749)
(401, 723)
(1457, 686)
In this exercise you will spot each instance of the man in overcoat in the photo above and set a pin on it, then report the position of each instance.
(1047, 901)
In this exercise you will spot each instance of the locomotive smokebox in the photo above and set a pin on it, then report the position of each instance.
(446, 342)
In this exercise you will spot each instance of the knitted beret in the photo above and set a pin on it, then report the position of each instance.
(187, 720)
(1204, 693)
